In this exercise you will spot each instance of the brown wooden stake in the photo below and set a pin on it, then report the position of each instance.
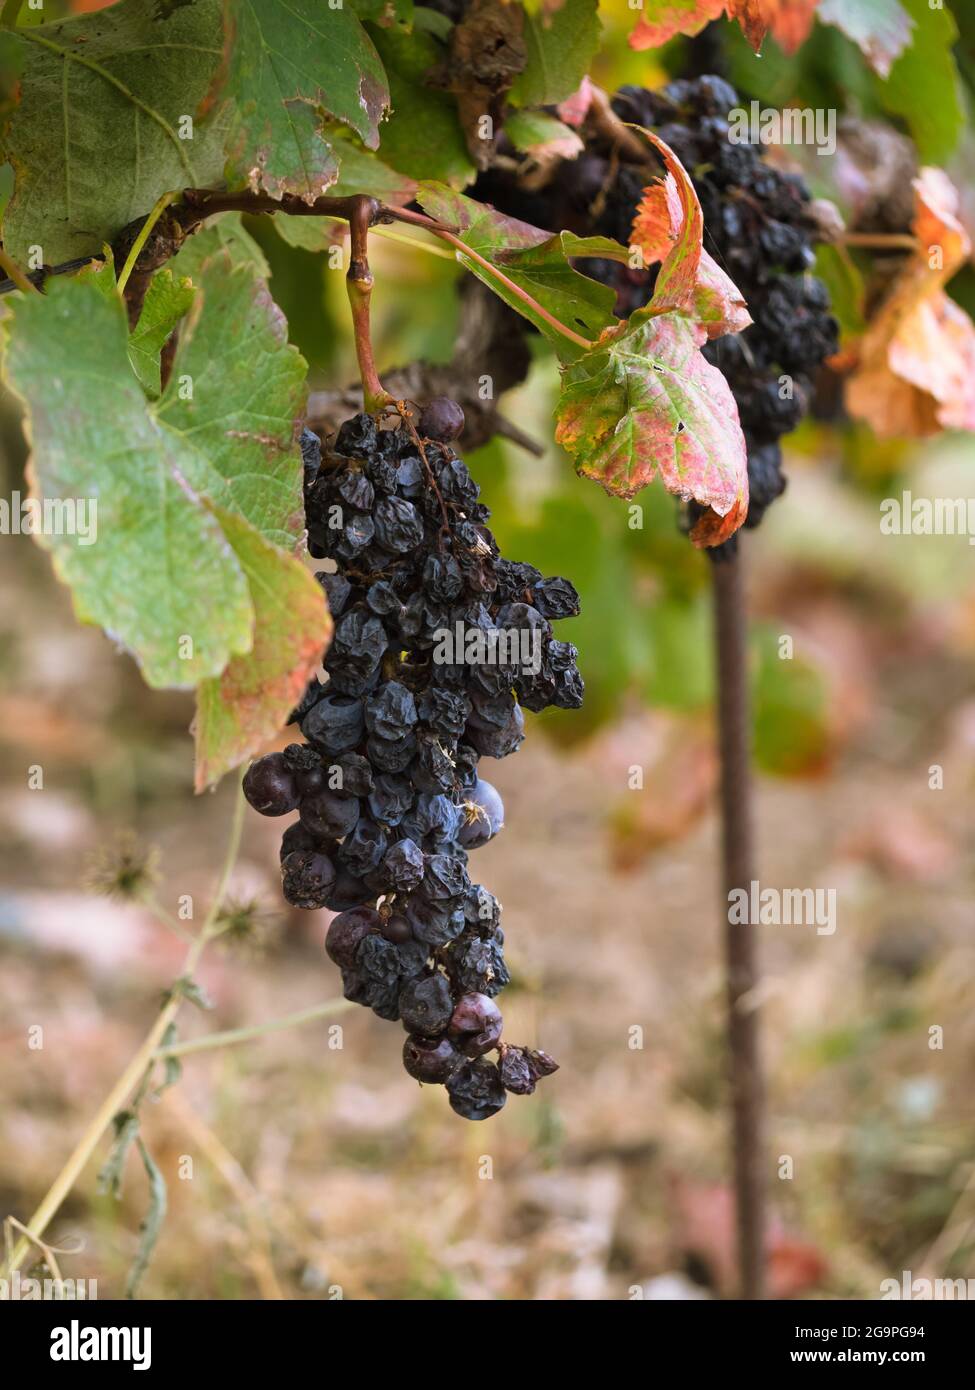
(740, 942)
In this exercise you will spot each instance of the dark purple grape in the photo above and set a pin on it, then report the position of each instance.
(298, 836)
(475, 1024)
(329, 816)
(390, 713)
(425, 1005)
(430, 1059)
(391, 797)
(556, 598)
(349, 892)
(349, 774)
(270, 786)
(378, 969)
(337, 590)
(403, 866)
(307, 877)
(335, 724)
(483, 815)
(363, 850)
(476, 965)
(311, 455)
(516, 1074)
(475, 1090)
(399, 527)
(357, 437)
(346, 931)
(397, 929)
(498, 743)
(441, 418)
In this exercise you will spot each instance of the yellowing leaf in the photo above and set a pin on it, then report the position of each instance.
(789, 21)
(916, 370)
(708, 292)
(241, 709)
(644, 402)
(660, 20)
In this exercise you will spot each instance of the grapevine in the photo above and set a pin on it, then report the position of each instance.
(290, 531)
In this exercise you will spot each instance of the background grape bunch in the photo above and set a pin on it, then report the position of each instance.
(757, 225)
(439, 642)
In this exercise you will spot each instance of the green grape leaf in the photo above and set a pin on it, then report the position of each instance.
(363, 172)
(240, 710)
(423, 137)
(538, 133)
(167, 301)
(881, 29)
(560, 43)
(645, 403)
(235, 392)
(114, 110)
(360, 172)
(534, 260)
(290, 65)
(387, 14)
(225, 231)
(924, 85)
(159, 576)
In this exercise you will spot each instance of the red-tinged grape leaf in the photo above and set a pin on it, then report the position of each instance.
(712, 298)
(236, 389)
(100, 129)
(658, 220)
(159, 575)
(240, 710)
(916, 367)
(560, 40)
(534, 260)
(290, 66)
(788, 21)
(711, 528)
(881, 29)
(575, 108)
(644, 403)
(661, 20)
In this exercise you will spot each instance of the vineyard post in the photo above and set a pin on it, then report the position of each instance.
(740, 942)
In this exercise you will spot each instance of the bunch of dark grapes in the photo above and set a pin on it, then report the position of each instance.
(757, 226)
(439, 643)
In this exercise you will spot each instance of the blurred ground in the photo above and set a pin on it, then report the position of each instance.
(316, 1167)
